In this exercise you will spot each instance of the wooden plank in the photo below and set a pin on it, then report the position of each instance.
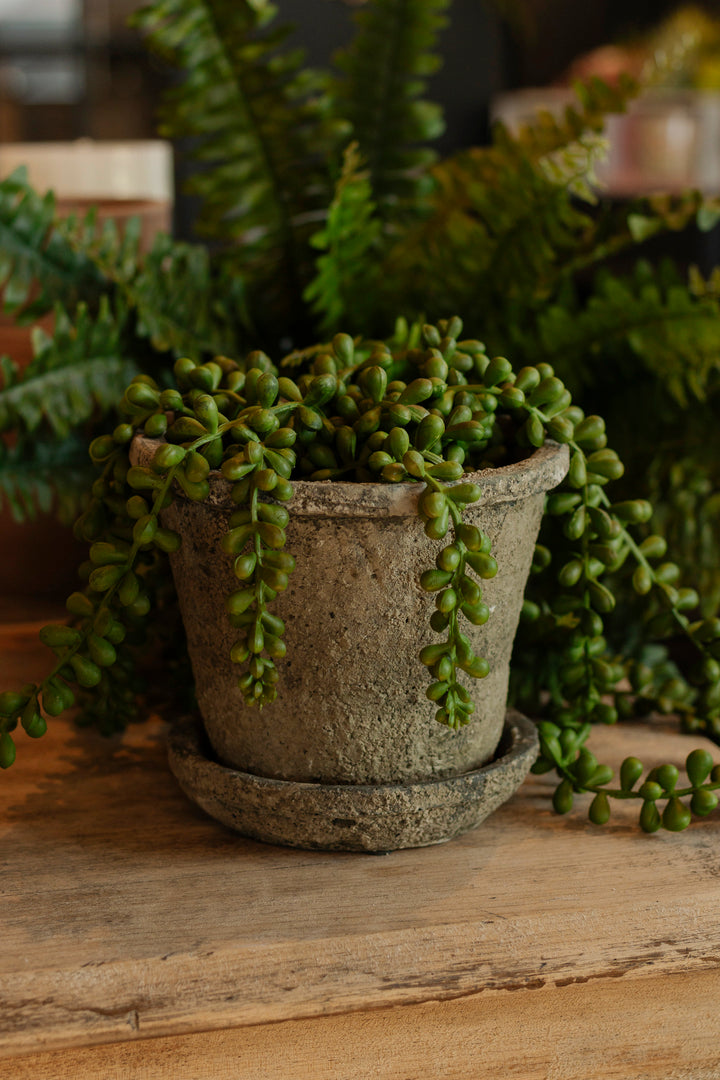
(128, 914)
(612, 1030)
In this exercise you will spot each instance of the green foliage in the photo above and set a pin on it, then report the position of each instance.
(513, 234)
(685, 490)
(38, 266)
(258, 118)
(39, 475)
(276, 127)
(185, 305)
(170, 296)
(367, 410)
(563, 749)
(183, 302)
(77, 372)
(347, 271)
(648, 320)
(383, 74)
(561, 147)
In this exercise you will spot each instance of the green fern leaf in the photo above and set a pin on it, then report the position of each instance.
(38, 265)
(79, 372)
(548, 137)
(39, 476)
(184, 304)
(347, 271)
(115, 252)
(651, 315)
(258, 120)
(512, 224)
(505, 220)
(498, 232)
(383, 74)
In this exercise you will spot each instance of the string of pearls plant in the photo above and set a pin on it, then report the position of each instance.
(426, 407)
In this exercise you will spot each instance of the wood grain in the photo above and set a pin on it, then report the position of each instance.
(129, 915)
(608, 1030)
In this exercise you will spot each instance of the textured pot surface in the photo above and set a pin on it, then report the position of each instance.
(351, 702)
(351, 817)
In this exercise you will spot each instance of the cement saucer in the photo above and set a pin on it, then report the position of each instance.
(347, 817)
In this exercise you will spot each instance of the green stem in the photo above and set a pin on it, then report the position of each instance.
(679, 618)
(127, 567)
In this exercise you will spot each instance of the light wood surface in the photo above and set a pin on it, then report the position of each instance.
(609, 1029)
(536, 946)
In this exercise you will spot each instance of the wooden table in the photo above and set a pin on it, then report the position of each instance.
(142, 941)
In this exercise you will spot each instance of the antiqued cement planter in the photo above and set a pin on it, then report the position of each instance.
(351, 706)
(351, 817)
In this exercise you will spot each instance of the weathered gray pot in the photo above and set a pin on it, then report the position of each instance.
(351, 817)
(351, 706)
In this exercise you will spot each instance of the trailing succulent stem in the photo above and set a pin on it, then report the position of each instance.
(458, 593)
(580, 772)
(428, 408)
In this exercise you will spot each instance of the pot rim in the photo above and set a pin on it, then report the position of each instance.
(534, 475)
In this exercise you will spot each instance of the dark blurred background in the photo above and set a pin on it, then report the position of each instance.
(72, 68)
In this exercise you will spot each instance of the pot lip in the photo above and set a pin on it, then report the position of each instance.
(534, 475)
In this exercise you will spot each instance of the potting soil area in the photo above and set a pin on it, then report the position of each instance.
(141, 940)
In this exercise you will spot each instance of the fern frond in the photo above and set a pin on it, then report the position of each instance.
(38, 264)
(652, 316)
(618, 228)
(40, 475)
(347, 271)
(560, 143)
(115, 252)
(184, 304)
(383, 75)
(499, 229)
(257, 118)
(671, 213)
(505, 219)
(80, 371)
(510, 224)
